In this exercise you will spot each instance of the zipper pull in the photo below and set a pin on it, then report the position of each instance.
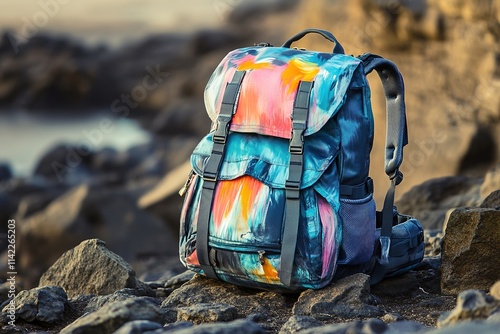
(185, 187)
(261, 256)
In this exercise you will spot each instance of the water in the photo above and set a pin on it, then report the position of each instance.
(24, 138)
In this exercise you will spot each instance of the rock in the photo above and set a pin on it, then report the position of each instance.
(469, 327)
(90, 268)
(65, 163)
(138, 327)
(97, 302)
(41, 305)
(112, 316)
(372, 326)
(88, 212)
(396, 286)
(203, 313)
(431, 200)
(348, 298)
(243, 326)
(186, 117)
(406, 327)
(495, 290)
(470, 250)
(201, 290)
(173, 327)
(494, 317)
(178, 280)
(392, 317)
(471, 305)
(5, 172)
(492, 200)
(297, 323)
(491, 181)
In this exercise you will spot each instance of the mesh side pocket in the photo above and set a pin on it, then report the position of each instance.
(358, 230)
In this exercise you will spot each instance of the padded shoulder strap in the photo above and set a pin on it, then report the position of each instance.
(397, 133)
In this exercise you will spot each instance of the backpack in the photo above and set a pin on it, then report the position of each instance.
(279, 196)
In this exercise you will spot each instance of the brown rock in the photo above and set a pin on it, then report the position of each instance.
(90, 268)
(470, 250)
(492, 201)
(491, 181)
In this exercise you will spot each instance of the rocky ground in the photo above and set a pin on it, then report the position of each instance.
(134, 282)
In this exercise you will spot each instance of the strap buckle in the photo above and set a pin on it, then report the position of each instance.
(221, 130)
(297, 141)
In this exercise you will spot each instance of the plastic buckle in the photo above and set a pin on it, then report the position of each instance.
(297, 142)
(220, 133)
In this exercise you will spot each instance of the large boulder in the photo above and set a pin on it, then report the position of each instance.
(87, 212)
(90, 268)
(470, 250)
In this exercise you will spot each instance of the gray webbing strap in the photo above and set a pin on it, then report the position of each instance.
(292, 185)
(211, 170)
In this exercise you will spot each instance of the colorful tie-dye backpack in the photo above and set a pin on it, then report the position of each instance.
(279, 196)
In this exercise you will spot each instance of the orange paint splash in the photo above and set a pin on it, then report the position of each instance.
(298, 70)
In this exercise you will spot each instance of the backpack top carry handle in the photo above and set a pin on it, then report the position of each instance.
(326, 34)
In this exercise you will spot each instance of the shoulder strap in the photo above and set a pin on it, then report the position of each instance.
(396, 139)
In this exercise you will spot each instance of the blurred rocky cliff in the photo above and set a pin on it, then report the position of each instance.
(447, 51)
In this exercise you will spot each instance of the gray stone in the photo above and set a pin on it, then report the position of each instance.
(176, 281)
(371, 326)
(97, 302)
(348, 298)
(492, 201)
(471, 305)
(406, 327)
(241, 326)
(138, 327)
(45, 305)
(495, 290)
(90, 268)
(468, 328)
(470, 250)
(112, 316)
(203, 313)
(208, 291)
(297, 323)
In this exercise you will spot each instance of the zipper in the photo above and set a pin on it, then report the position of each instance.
(186, 185)
(268, 249)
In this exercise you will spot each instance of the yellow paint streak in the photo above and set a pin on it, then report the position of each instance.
(268, 271)
(298, 70)
(251, 65)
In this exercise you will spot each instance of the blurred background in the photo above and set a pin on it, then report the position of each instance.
(101, 104)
